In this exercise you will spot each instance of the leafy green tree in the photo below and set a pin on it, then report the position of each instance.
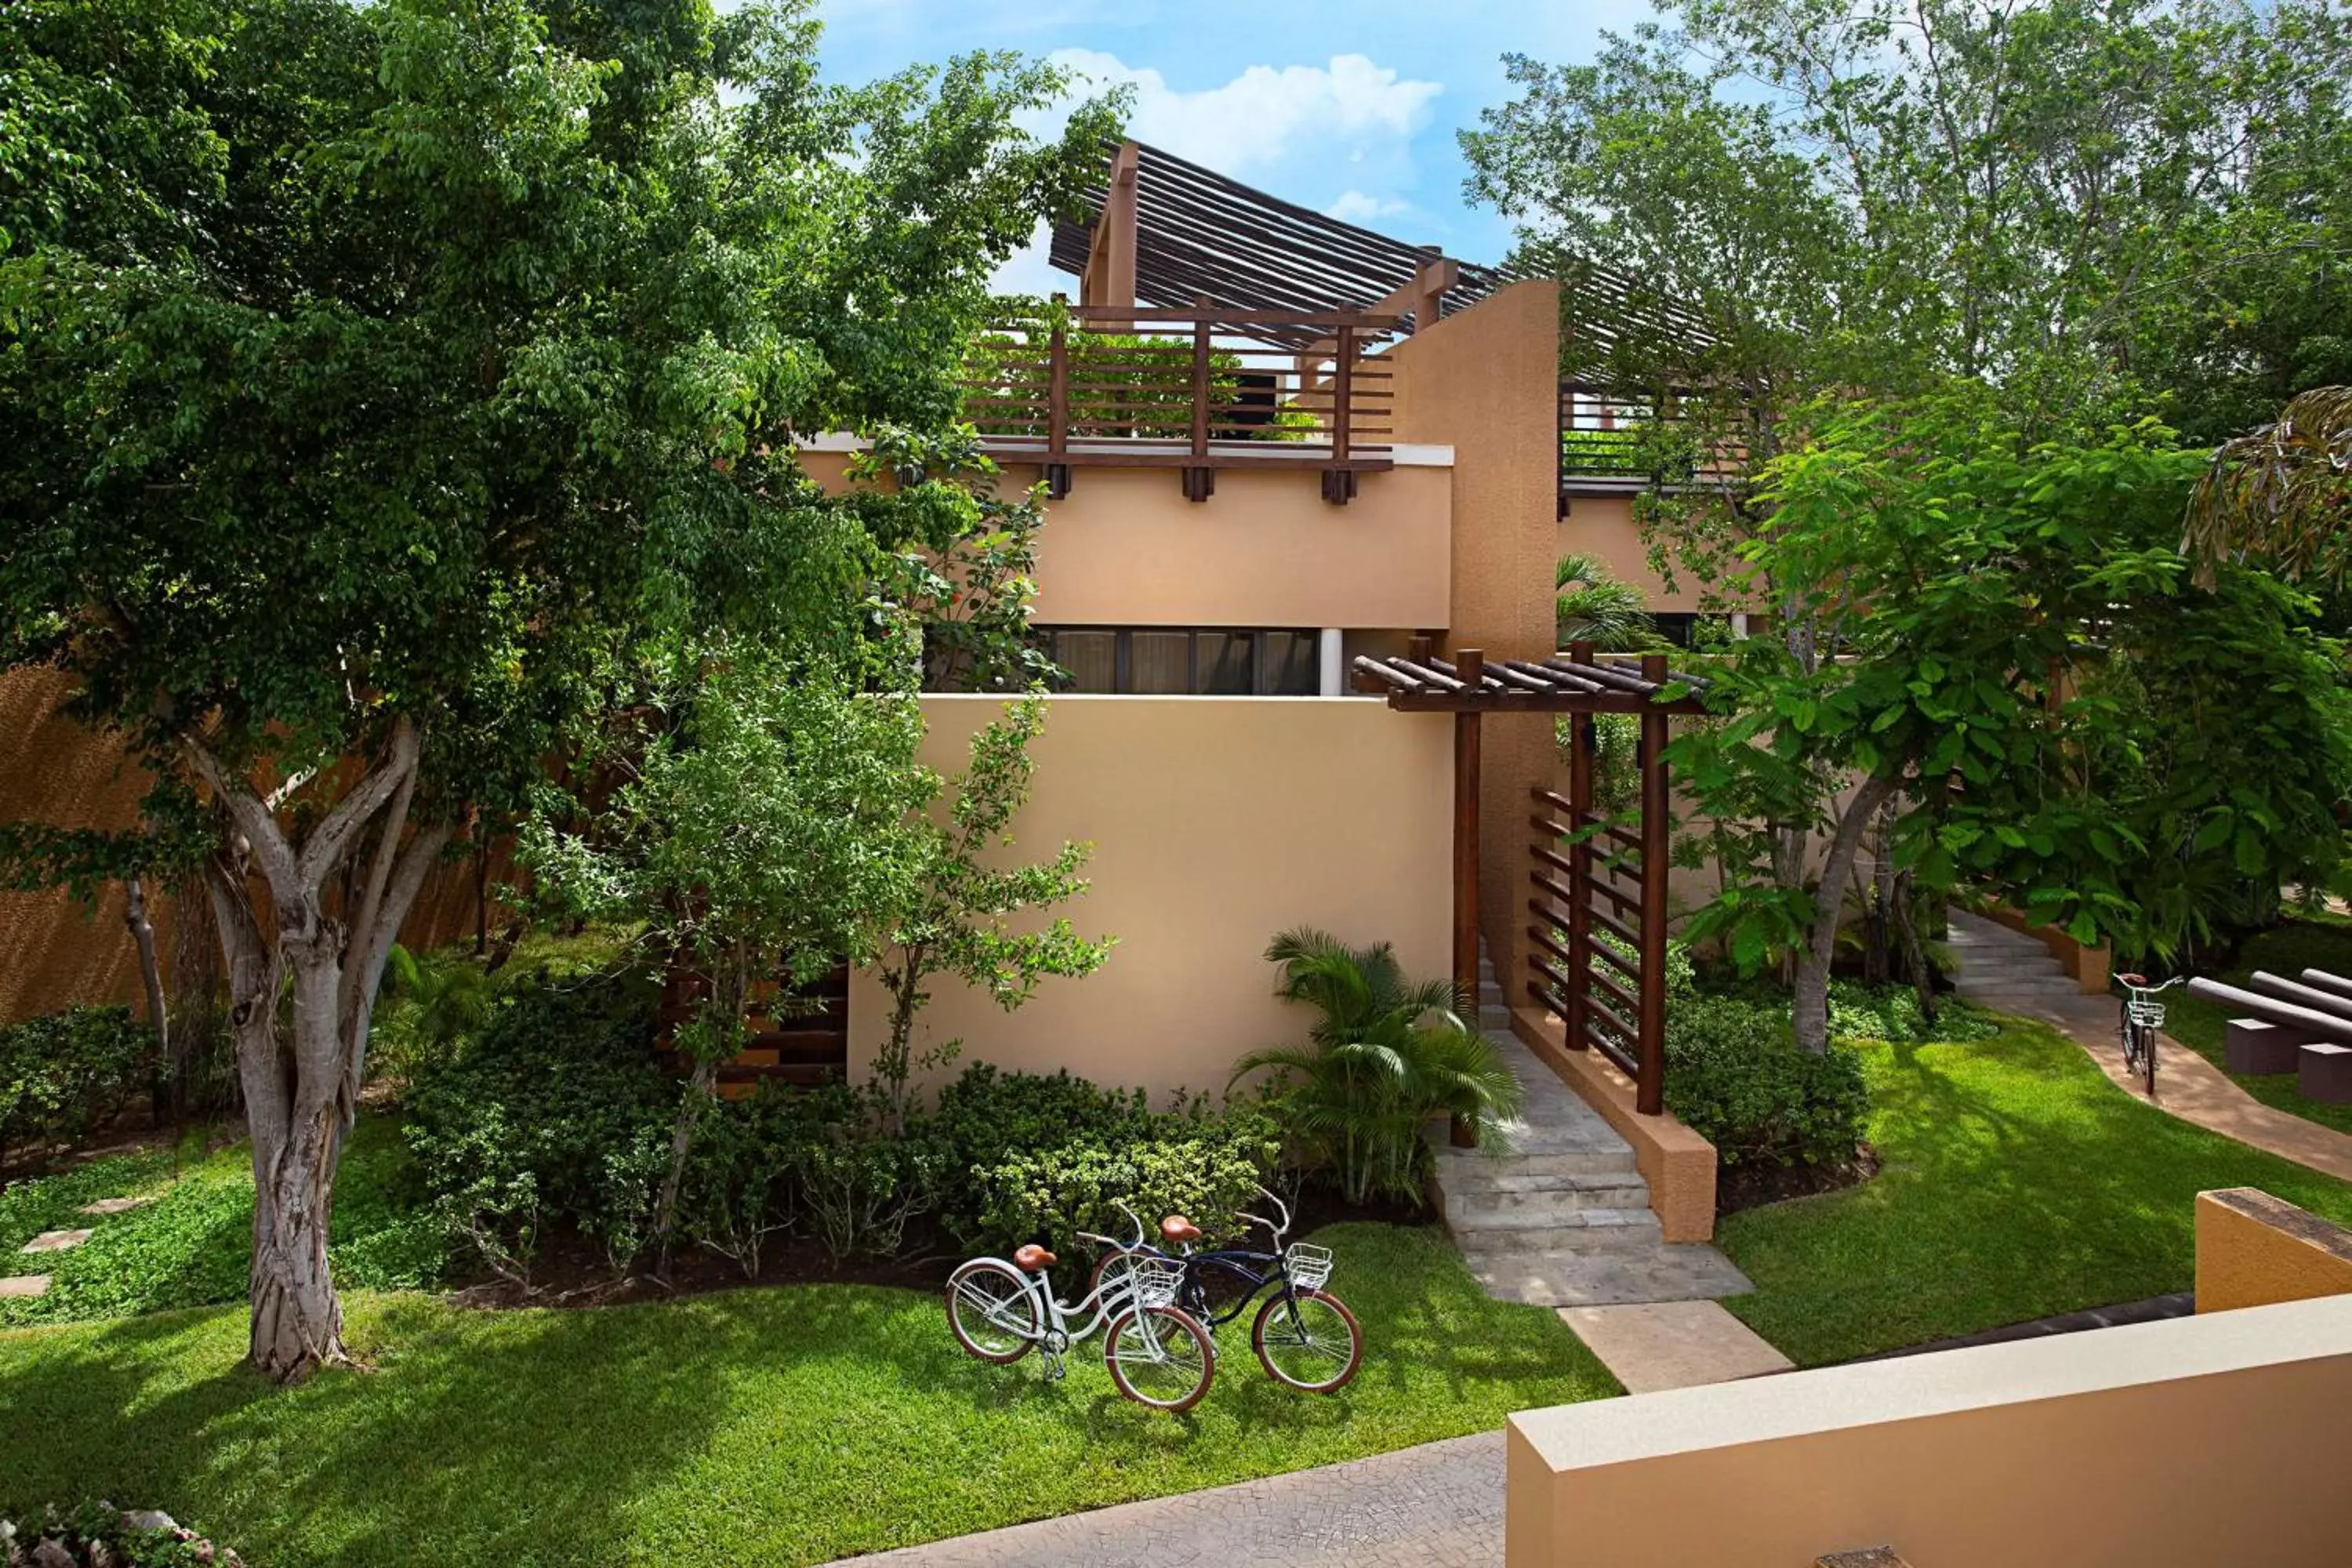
(750, 841)
(955, 918)
(1989, 599)
(2283, 493)
(1385, 1056)
(382, 386)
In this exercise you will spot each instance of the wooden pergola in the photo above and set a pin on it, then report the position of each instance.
(1585, 957)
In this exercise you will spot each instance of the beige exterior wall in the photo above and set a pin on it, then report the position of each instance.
(1604, 526)
(1485, 382)
(2188, 1444)
(1125, 547)
(2254, 1249)
(1217, 822)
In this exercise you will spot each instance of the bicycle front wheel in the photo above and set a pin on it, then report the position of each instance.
(1308, 1341)
(1160, 1357)
(991, 1310)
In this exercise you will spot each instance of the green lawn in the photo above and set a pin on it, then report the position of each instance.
(2016, 1183)
(191, 1247)
(752, 1427)
(2287, 951)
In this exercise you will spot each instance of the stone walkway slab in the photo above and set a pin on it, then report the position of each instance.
(56, 1241)
(1439, 1505)
(1674, 1344)
(2187, 1085)
(25, 1285)
(1665, 1271)
(115, 1205)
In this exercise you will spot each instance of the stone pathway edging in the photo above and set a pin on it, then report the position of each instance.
(2187, 1085)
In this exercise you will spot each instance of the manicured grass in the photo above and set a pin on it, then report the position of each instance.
(191, 1245)
(2287, 951)
(2016, 1183)
(756, 1426)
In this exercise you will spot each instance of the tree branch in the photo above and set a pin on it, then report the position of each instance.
(328, 840)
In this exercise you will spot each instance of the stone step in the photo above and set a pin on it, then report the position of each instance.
(23, 1285)
(56, 1241)
(1475, 1175)
(1550, 1231)
(2006, 963)
(1471, 1211)
(115, 1205)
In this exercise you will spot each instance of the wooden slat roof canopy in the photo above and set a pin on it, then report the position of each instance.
(1201, 233)
(1434, 685)
(1198, 232)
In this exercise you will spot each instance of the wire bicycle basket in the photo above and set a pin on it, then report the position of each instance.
(2146, 1014)
(1309, 1266)
(1157, 1280)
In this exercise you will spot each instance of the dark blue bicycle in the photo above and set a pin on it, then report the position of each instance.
(1304, 1337)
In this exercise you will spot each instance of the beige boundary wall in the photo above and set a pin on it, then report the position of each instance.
(2231, 1426)
(2195, 1443)
(1217, 822)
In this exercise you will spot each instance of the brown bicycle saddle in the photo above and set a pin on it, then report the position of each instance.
(1033, 1259)
(1176, 1230)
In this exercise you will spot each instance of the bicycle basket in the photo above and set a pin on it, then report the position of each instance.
(2146, 1014)
(1307, 1266)
(1157, 1280)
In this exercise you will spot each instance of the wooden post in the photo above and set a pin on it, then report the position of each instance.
(1650, 1097)
(1057, 408)
(1342, 388)
(1470, 669)
(1109, 276)
(1579, 856)
(1200, 382)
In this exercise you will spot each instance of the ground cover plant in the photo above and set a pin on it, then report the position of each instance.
(2015, 1181)
(2286, 948)
(768, 1426)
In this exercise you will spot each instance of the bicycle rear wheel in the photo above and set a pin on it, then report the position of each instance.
(992, 1311)
(1309, 1341)
(1160, 1357)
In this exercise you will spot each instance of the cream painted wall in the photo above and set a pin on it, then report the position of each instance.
(1217, 822)
(1604, 526)
(2195, 1443)
(1125, 547)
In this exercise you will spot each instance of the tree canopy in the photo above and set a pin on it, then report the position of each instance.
(384, 387)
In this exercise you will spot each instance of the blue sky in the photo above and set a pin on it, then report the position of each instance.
(1347, 108)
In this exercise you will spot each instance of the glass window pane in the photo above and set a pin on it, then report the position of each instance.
(1224, 668)
(1292, 666)
(1090, 657)
(1159, 663)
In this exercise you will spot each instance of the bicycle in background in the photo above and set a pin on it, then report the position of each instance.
(2143, 1017)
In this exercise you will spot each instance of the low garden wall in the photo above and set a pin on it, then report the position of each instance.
(1217, 822)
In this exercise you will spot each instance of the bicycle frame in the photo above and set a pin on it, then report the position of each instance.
(1239, 1262)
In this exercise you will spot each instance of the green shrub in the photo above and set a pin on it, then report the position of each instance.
(556, 1110)
(820, 1158)
(64, 1074)
(1891, 1012)
(1736, 1077)
(1190, 1161)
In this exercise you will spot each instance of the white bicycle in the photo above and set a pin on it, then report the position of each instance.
(1158, 1354)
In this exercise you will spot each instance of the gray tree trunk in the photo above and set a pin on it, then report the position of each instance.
(300, 1075)
(1811, 1009)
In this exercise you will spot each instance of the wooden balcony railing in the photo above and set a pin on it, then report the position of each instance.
(1196, 390)
(1604, 443)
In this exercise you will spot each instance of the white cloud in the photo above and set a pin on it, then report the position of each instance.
(1266, 113)
(1355, 206)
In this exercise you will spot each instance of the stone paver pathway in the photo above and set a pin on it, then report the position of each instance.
(1439, 1505)
(1674, 1344)
(2187, 1085)
(115, 1205)
(56, 1241)
(25, 1285)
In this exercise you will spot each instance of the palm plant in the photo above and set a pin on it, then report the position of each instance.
(1593, 606)
(2283, 492)
(1385, 1056)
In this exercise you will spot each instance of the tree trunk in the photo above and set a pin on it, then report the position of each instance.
(1812, 985)
(151, 977)
(300, 1092)
(1914, 955)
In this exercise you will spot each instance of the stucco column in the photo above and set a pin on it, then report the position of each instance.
(1331, 647)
